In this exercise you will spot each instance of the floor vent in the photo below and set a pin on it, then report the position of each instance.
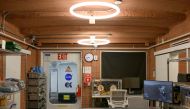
(177, 43)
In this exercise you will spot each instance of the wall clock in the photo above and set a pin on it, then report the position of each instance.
(89, 57)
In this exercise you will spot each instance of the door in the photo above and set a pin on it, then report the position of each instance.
(54, 78)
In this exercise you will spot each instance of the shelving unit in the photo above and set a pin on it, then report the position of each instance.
(9, 52)
(7, 90)
(186, 85)
(175, 60)
(5, 52)
(36, 91)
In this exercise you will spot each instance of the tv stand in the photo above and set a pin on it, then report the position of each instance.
(130, 92)
(162, 105)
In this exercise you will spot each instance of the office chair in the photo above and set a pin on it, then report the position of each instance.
(118, 99)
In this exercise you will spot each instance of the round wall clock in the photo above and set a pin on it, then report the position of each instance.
(89, 57)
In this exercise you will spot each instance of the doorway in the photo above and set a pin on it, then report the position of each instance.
(54, 81)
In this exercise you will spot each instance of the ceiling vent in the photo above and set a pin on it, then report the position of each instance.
(180, 42)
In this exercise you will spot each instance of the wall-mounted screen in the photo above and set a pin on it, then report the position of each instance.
(120, 65)
(158, 90)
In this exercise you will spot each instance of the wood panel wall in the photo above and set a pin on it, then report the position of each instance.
(175, 31)
(34, 60)
(26, 61)
(86, 90)
(182, 65)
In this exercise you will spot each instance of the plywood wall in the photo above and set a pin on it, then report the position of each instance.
(26, 61)
(86, 90)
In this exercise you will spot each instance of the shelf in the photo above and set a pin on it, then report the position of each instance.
(3, 94)
(9, 52)
(36, 91)
(179, 60)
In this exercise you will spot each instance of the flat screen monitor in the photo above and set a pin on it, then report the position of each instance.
(131, 82)
(158, 91)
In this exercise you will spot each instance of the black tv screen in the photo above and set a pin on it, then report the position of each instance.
(119, 65)
(158, 91)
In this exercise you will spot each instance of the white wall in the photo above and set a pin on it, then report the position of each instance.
(13, 70)
(161, 67)
(173, 68)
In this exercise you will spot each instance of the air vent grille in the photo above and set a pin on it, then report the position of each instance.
(177, 43)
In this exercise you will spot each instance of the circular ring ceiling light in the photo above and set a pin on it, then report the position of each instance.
(104, 4)
(93, 41)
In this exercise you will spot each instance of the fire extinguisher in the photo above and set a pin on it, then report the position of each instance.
(78, 91)
(87, 79)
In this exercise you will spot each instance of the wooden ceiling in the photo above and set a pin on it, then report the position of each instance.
(139, 22)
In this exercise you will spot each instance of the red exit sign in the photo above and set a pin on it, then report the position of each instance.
(62, 56)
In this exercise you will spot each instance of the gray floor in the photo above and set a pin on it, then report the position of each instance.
(135, 102)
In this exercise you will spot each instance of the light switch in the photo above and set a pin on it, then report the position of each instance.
(95, 57)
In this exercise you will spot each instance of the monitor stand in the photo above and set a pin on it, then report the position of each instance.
(130, 91)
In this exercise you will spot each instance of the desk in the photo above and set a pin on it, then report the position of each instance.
(108, 96)
(98, 96)
(138, 102)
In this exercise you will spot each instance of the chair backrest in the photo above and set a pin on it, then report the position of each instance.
(118, 95)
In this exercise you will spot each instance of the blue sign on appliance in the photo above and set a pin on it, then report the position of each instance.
(68, 77)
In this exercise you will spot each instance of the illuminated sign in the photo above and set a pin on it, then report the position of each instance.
(62, 56)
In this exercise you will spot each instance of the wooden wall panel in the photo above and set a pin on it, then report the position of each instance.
(26, 63)
(182, 65)
(150, 64)
(180, 29)
(86, 90)
(2, 66)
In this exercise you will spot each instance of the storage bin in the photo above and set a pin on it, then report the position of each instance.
(34, 89)
(36, 82)
(36, 76)
(35, 104)
(35, 96)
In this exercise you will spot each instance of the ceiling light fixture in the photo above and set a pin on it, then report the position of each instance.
(93, 41)
(118, 2)
(92, 18)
